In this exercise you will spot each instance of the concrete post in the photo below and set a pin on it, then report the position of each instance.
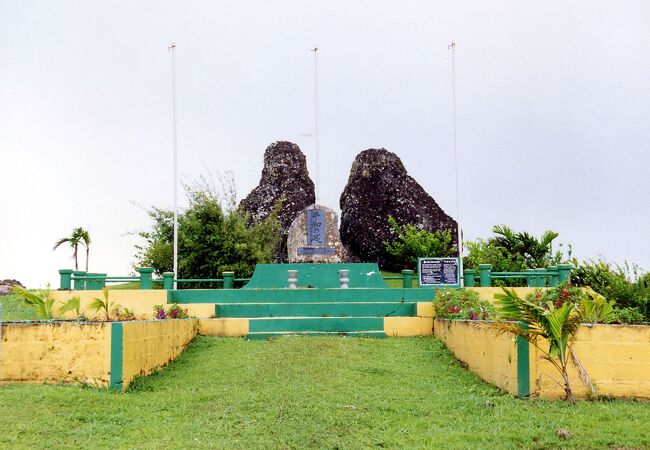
(485, 274)
(168, 281)
(469, 277)
(407, 278)
(145, 277)
(293, 279)
(66, 279)
(228, 280)
(343, 278)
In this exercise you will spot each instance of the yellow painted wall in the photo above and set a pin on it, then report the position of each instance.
(616, 357)
(199, 310)
(424, 309)
(54, 353)
(408, 326)
(140, 301)
(492, 358)
(148, 345)
(229, 327)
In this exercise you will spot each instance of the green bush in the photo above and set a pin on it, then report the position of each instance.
(413, 243)
(461, 304)
(510, 251)
(628, 316)
(622, 284)
(213, 237)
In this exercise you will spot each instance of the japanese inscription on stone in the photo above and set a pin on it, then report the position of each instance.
(315, 227)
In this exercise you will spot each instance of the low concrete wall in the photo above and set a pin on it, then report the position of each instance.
(616, 357)
(492, 358)
(56, 353)
(103, 354)
(148, 345)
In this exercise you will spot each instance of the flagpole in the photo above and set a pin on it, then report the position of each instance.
(452, 47)
(172, 49)
(317, 190)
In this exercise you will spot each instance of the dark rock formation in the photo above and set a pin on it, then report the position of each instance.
(285, 177)
(7, 285)
(378, 187)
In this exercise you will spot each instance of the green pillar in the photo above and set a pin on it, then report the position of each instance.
(552, 275)
(145, 277)
(485, 274)
(564, 273)
(541, 277)
(79, 285)
(228, 280)
(469, 277)
(407, 278)
(523, 366)
(66, 279)
(168, 281)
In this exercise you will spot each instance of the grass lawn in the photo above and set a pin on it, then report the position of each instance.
(310, 393)
(14, 309)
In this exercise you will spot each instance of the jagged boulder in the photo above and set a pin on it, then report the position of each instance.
(379, 186)
(7, 285)
(284, 176)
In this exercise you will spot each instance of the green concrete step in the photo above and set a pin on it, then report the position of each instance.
(284, 334)
(372, 295)
(252, 310)
(329, 324)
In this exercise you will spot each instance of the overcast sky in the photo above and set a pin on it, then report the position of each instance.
(553, 109)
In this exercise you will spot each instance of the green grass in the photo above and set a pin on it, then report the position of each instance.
(14, 309)
(310, 393)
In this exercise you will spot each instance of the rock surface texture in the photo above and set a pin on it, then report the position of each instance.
(7, 285)
(285, 177)
(379, 186)
(314, 237)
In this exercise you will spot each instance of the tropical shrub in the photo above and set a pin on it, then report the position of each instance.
(623, 284)
(510, 251)
(461, 304)
(413, 243)
(73, 304)
(628, 315)
(41, 300)
(173, 312)
(535, 318)
(102, 304)
(214, 236)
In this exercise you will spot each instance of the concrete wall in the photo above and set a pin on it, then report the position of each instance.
(492, 358)
(148, 345)
(103, 354)
(616, 357)
(56, 353)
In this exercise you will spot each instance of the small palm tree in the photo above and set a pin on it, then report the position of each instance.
(41, 301)
(536, 252)
(557, 324)
(78, 236)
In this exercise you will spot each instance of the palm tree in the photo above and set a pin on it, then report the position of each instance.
(78, 236)
(536, 252)
(558, 325)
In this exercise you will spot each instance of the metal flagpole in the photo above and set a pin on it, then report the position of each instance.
(452, 46)
(172, 49)
(315, 50)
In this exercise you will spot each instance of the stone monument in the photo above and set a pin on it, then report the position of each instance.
(314, 237)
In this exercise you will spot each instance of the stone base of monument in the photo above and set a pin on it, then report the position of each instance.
(314, 237)
(266, 307)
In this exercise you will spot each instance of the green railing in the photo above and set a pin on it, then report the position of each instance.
(81, 281)
(550, 276)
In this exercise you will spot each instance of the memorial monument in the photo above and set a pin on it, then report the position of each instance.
(314, 237)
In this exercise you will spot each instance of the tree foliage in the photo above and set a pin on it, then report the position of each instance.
(79, 236)
(413, 243)
(213, 236)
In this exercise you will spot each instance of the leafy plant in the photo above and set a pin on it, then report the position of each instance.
(173, 312)
(73, 304)
(413, 243)
(461, 304)
(122, 314)
(105, 305)
(213, 236)
(598, 310)
(533, 319)
(628, 315)
(40, 300)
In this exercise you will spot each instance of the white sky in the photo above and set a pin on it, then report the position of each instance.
(553, 113)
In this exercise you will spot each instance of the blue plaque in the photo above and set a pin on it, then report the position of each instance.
(315, 227)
